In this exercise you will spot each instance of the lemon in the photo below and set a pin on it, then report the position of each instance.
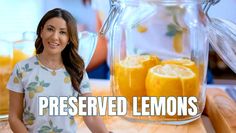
(130, 75)
(39, 89)
(31, 94)
(141, 28)
(191, 65)
(171, 80)
(182, 62)
(177, 42)
(67, 79)
(162, 81)
(30, 122)
(16, 80)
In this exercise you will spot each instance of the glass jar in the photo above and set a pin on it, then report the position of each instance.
(24, 48)
(13, 48)
(159, 57)
(87, 45)
(6, 61)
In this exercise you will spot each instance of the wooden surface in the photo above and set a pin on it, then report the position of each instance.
(119, 125)
(220, 109)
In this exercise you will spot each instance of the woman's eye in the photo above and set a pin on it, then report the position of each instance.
(49, 29)
(63, 32)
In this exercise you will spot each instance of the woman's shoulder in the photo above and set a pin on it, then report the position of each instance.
(27, 62)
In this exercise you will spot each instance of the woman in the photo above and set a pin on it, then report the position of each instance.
(56, 70)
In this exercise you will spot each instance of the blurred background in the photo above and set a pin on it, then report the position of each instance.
(19, 20)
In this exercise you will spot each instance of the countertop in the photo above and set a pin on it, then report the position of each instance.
(219, 115)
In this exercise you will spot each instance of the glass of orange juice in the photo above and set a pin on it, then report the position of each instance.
(6, 61)
(11, 52)
(24, 48)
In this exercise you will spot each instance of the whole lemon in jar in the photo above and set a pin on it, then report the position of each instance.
(130, 75)
(171, 80)
(196, 69)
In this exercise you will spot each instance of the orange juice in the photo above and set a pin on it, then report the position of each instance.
(18, 56)
(5, 71)
(7, 64)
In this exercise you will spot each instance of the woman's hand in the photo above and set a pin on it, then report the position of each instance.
(94, 123)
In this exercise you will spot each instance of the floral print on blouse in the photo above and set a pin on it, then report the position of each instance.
(33, 79)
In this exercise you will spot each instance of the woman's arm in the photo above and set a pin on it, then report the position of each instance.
(94, 123)
(15, 113)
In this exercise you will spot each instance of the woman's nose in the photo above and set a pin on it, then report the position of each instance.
(55, 35)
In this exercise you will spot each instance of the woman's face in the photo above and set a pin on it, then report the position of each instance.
(54, 36)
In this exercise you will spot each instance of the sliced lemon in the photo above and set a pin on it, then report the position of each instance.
(39, 89)
(177, 42)
(141, 28)
(67, 80)
(171, 80)
(191, 65)
(130, 75)
(182, 62)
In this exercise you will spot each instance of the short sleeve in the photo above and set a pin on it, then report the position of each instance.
(15, 81)
(85, 86)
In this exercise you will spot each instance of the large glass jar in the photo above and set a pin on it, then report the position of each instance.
(12, 50)
(159, 49)
(6, 56)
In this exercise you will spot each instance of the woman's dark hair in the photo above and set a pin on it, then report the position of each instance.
(71, 59)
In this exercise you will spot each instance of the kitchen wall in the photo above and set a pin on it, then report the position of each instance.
(19, 15)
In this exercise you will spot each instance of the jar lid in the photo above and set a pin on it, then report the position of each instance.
(222, 37)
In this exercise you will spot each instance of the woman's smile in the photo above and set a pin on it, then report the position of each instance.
(53, 45)
(54, 36)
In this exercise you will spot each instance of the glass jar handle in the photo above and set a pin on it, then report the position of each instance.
(114, 9)
(87, 46)
(207, 4)
(222, 37)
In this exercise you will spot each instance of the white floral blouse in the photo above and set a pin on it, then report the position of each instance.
(33, 79)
